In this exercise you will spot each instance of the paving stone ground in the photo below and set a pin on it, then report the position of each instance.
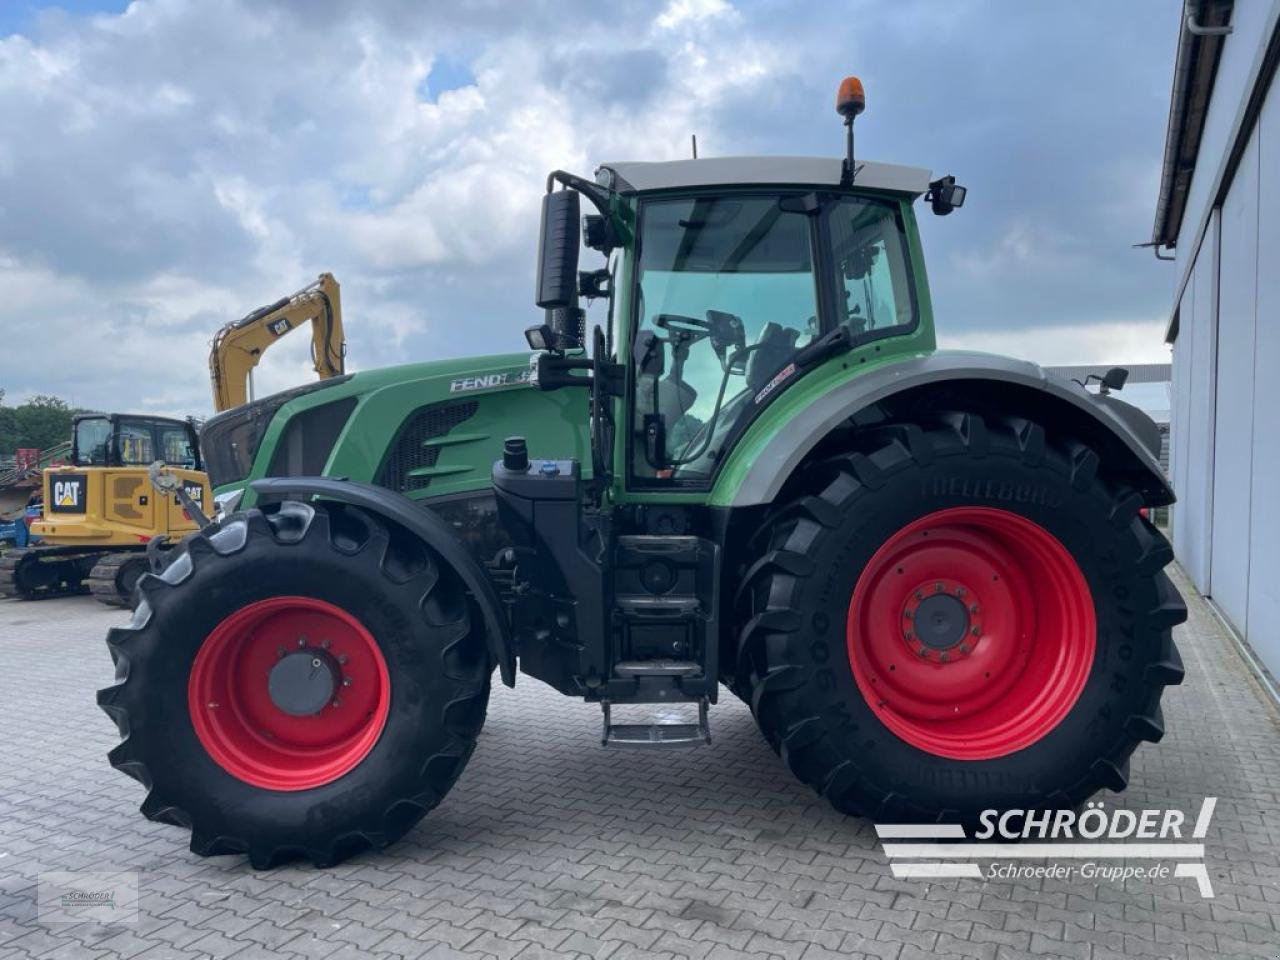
(551, 846)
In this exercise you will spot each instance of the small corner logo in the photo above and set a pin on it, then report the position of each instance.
(105, 898)
(1004, 840)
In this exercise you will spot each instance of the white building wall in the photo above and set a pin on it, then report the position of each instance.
(1253, 22)
(1233, 429)
(1225, 434)
(1263, 616)
(1198, 335)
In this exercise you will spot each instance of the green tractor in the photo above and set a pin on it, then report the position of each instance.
(928, 573)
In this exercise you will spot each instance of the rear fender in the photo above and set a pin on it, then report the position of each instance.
(1126, 439)
(423, 523)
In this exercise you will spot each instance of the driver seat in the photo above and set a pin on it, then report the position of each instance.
(774, 347)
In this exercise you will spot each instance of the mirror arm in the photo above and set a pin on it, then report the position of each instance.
(602, 198)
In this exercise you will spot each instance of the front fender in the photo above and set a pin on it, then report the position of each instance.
(423, 523)
(764, 462)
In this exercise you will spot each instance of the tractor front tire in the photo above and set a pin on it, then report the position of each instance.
(958, 615)
(300, 682)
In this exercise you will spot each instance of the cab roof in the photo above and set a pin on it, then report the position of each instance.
(643, 176)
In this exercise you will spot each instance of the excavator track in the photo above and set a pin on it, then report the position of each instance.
(42, 572)
(112, 578)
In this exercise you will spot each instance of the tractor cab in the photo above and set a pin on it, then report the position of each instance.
(727, 280)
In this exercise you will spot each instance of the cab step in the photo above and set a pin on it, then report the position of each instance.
(657, 735)
(657, 668)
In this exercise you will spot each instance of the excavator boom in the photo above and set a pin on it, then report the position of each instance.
(238, 346)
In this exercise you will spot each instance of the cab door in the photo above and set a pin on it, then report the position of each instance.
(174, 447)
(726, 296)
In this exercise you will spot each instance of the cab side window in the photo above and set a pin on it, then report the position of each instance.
(873, 281)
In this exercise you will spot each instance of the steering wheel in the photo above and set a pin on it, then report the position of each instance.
(678, 323)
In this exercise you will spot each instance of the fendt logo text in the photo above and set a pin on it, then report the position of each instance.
(1094, 844)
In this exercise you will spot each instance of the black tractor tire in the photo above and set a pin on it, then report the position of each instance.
(795, 648)
(419, 624)
(113, 578)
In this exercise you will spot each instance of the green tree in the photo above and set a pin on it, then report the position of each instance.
(8, 428)
(43, 421)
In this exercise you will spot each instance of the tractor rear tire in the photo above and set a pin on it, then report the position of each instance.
(955, 616)
(302, 681)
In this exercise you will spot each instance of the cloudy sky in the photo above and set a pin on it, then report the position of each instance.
(167, 165)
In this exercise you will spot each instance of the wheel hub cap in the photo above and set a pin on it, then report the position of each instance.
(941, 621)
(303, 682)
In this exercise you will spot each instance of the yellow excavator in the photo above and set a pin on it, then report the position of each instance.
(103, 523)
(238, 346)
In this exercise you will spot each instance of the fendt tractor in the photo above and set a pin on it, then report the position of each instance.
(101, 515)
(928, 573)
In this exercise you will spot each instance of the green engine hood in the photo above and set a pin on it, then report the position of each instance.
(426, 429)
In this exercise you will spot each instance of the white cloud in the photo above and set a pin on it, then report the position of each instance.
(169, 168)
(680, 12)
(1115, 342)
(184, 162)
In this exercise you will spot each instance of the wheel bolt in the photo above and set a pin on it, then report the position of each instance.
(302, 641)
(213, 705)
(974, 608)
(346, 681)
(908, 635)
(959, 591)
(325, 644)
(342, 659)
(336, 701)
(976, 631)
(279, 651)
(939, 588)
(964, 648)
(923, 651)
(944, 657)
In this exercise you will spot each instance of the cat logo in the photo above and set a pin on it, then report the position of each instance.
(196, 492)
(68, 493)
(280, 327)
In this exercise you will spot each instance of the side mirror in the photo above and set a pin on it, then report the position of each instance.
(1115, 378)
(945, 195)
(558, 251)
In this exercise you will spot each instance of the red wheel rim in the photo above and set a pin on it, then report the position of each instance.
(971, 633)
(248, 733)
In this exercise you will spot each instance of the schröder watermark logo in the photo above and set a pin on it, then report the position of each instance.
(1096, 844)
(87, 897)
